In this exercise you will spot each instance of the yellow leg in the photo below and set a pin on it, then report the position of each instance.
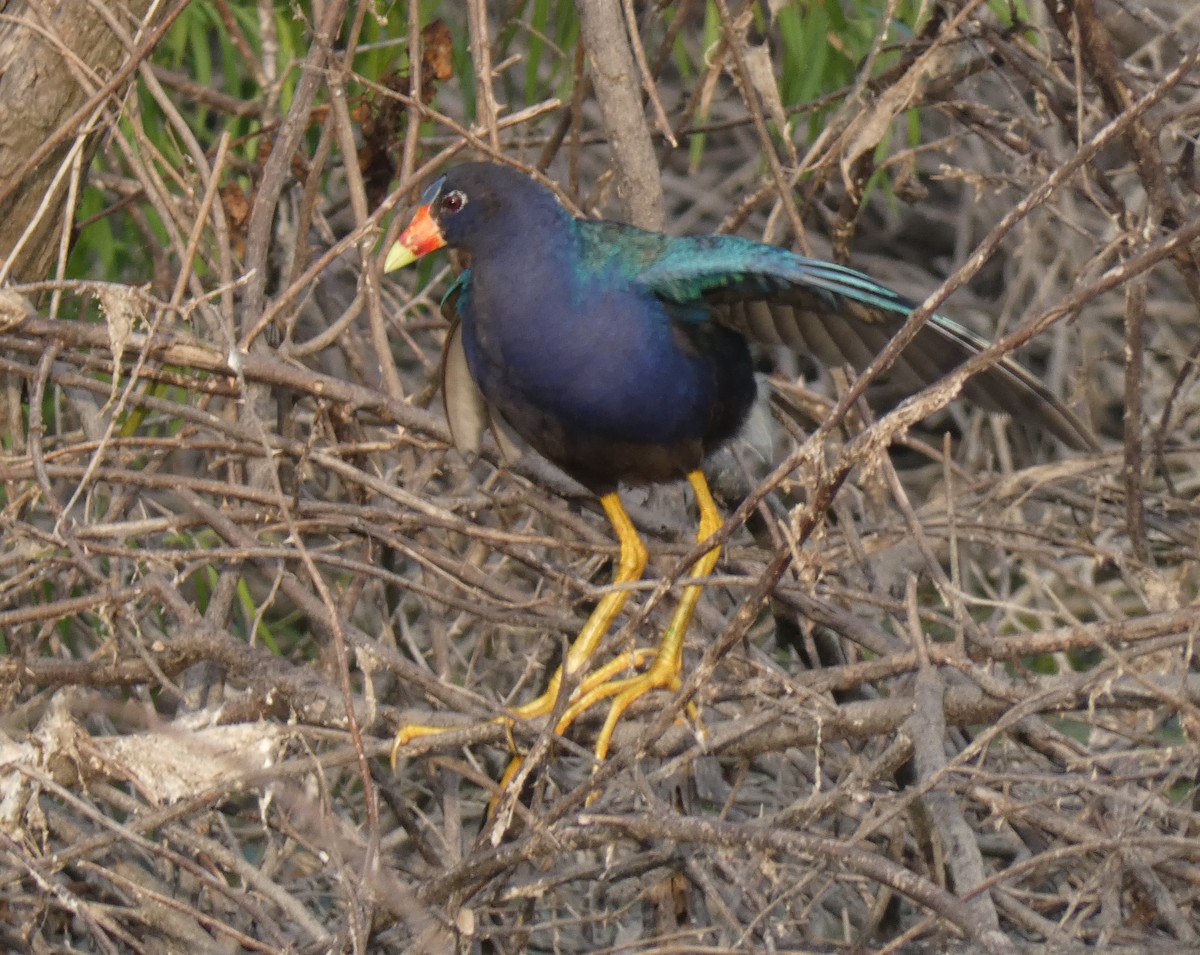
(664, 670)
(630, 565)
(668, 660)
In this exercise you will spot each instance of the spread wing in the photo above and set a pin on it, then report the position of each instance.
(840, 316)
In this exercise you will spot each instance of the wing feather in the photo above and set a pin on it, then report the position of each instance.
(468, 412)
(840, 316)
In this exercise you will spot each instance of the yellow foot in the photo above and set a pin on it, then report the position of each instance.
(603, 684)
(631, 660)
(623, 692)
(606, 683)
(406, 734)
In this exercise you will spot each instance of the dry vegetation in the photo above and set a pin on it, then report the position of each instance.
(948, 687)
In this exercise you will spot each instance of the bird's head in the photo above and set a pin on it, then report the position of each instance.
(472, 207)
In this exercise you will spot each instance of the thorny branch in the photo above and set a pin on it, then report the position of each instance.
(948, 690)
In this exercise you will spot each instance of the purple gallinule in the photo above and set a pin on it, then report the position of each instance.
(621, 355)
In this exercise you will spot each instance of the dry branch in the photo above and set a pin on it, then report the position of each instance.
(948, 689)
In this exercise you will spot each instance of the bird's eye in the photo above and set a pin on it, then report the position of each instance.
(453, 201)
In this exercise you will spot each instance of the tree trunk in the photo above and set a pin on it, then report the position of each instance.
(54, 56)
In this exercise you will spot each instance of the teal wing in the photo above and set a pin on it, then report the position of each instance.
(839, 316)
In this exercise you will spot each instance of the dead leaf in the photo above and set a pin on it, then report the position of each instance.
(170, 764)
(437, 51)
(869, 128)
(122, 306)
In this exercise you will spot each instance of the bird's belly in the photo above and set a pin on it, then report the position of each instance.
(611, 404)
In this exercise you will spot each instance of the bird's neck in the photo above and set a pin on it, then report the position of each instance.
(540, 256)
(524, 303)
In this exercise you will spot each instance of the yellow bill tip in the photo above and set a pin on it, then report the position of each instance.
(399, 255)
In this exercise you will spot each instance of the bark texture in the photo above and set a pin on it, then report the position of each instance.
(55, 55)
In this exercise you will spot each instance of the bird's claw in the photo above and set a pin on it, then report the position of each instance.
(407, 733)
(602, 684)
(411, 731)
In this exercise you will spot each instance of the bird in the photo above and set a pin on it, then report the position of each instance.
(623, 356)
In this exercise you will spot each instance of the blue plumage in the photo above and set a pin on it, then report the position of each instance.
(621, 354)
